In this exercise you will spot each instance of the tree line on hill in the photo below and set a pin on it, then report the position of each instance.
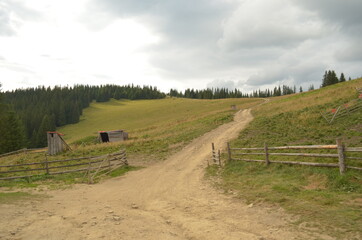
(27, 114)
(217, 93)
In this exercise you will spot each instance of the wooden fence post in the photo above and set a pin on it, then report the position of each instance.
(340, 148)
(229, 151)
(46, 164)
(213, 153)
(219, 157)
(109, 162)
(266, 154)
(125, 157)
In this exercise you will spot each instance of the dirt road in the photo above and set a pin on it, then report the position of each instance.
(169, 200)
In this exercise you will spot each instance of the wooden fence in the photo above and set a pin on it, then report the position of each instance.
(339, 152)
(342, 110)
(216, 156)
(92, 165)
(24, 150)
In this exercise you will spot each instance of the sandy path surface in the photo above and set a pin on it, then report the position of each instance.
(168, 200)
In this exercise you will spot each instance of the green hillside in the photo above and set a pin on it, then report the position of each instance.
(156, 127)
(297, 119)
(324, 200)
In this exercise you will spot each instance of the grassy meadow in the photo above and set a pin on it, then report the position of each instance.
(147, 117)
(157, 128)
(324, 200)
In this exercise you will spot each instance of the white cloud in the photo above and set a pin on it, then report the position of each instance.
(265, 24)
(60, 51)
(178, 44)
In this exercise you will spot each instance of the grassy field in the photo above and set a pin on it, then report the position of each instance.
(157, 128)
(323, 199)
(147, 117)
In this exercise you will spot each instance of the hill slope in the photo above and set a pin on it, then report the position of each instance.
(327, 201)
(155, 127)
(297, 119)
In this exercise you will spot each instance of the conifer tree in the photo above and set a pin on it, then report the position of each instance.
(342, 78)
(329, 78)
(11, 129)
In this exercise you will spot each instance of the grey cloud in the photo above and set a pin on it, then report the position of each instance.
(347, 13)
(11, 15)
(221, 83)
(280, 40)
(6, 28)
(344, 16)
(186, 22)
(15, 66)
(101, 76)
(266, 24)
(267, 76)
(350, 53)
(303, 73)
(189, 31)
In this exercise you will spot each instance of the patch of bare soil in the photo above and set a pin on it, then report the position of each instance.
(168, 200)
(316, 182)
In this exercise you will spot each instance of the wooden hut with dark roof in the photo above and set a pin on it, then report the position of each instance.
(113, 136)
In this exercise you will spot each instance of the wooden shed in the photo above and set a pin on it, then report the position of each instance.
(113, 136)
(56, 143)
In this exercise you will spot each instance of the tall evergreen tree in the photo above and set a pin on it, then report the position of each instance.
(11, 132)
(11, 129)
(329, 78)
(342, 78)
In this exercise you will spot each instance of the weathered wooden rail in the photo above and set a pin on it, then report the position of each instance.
(342, 110)
(54, 167)
(24, 150)
(235, 154)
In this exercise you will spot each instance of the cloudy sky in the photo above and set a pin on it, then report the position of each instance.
(248, 44)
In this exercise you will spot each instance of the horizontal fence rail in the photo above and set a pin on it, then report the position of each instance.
(340, 154)
(110, 161)
(24, 150)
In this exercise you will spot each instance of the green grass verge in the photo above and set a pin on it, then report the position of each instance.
(321, 196)
(13, 197)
